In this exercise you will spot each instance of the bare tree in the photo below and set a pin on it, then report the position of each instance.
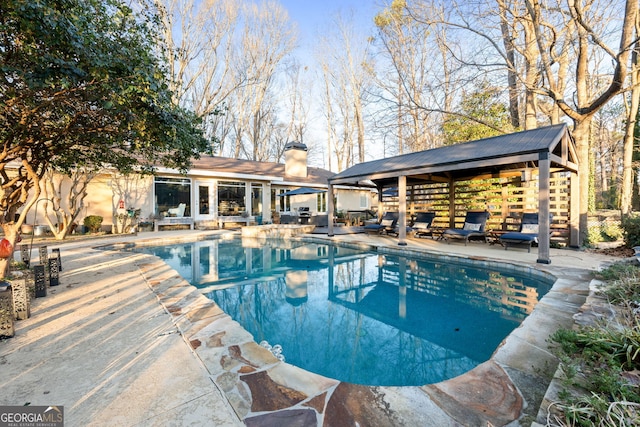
(65, 198)
(344, 55)
(297, 90)
(554, 51)
(595, 34)
(419, 74)
(631, 105)
(607, 151)
(268, 37)
(200, 38)
(329, 113)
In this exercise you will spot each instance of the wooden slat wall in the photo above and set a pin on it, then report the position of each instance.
(505, 198)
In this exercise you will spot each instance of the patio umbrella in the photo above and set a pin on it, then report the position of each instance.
(302, 190)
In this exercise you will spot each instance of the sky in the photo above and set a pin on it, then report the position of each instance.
(312, 15)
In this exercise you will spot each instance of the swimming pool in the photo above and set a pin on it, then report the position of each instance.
(360, 316)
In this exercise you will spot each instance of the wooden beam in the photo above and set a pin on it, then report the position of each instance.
(491, 163)
(452, 204)
(499, 174)
(566, 164)
(402, 210)
(544, 229)
(430, 178)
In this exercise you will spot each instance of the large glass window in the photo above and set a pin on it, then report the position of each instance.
(364, 200)
(278, 203)
(203, 200)
(274, 202)
(173, 196)
(256, 199)
(285, 201)
(322, 202)
(231, 198)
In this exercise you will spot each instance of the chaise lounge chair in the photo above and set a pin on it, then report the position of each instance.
(474, 228)
(527, 235)
(177, 212)
(422, 225)
(386, 225)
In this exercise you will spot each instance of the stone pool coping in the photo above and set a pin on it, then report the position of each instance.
(506, 390)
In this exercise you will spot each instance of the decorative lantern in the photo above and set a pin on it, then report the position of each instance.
(6, 249)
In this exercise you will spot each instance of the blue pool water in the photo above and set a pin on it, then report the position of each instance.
(360, 317)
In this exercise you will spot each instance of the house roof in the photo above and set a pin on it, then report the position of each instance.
(489, 155)
(269, 170)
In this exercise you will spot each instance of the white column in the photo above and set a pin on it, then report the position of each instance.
(330, 209)
(266, 203)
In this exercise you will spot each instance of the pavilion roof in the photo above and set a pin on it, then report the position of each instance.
(466, 160)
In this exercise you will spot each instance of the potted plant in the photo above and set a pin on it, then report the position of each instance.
(147, 223)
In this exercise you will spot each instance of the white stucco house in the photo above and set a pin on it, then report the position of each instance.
(217, 191)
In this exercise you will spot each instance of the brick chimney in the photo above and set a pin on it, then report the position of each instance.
(295, 159)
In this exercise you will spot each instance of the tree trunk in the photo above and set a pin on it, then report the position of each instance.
(581, 135)
(512, 77)
(626, 192)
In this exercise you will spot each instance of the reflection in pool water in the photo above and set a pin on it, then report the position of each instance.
(360, 317)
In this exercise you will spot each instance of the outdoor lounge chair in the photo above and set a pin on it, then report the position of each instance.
(387, 224)
(177, 212)
(526, 236)
(474, 228)
(422, 224)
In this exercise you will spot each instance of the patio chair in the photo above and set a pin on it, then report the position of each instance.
(422, 224)
(527, 235)
(474, 228)
(387, 224)
(177, 212)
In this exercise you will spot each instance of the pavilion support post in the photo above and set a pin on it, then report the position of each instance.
(402, 210)
(574, 211)
(452, 203)
(544, 231)
(330, 209)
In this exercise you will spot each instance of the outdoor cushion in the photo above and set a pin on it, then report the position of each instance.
(420, 225)
(375, 226)
(387, 222)
(516, 236)
(461, 232)
(528, 233)
(474, 224)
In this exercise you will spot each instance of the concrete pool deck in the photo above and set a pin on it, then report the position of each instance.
(124, 340)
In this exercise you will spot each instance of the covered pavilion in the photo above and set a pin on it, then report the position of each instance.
(516, 157)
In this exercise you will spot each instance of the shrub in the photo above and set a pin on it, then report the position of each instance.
(611, 231)
(601, 362)
(631, 230)
(93, 223)
(605, 231)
